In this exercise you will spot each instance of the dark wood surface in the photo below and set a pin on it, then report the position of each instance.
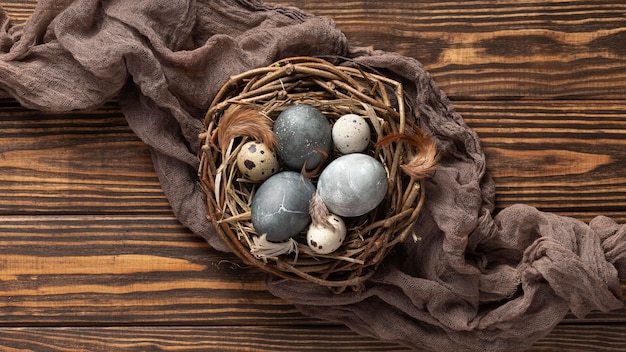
(92, 259)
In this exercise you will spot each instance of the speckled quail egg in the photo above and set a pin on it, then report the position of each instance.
(352, 184)
(351, 134)
(303, 134)
(256, 161)
(280, 206)
(325, 240)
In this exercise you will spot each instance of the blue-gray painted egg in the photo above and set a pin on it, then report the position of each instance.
(256, 161)
(280, 206)
(302, 131)
(352, 184)
(351, 134)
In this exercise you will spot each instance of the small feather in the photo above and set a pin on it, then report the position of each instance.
(424, 161)
(319, 212)
(238, 121)
(264, 249)
(316, 171)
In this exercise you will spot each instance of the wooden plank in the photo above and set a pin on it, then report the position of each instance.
(233, 338)
(84, 270)
(81, 162)
(486, 49)
(565, 337)
(495, 49)
(111, 270)
(18, 10)
(583, 338)
(562, 156)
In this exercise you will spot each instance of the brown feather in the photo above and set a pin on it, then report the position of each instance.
(237, 122)
(319, 212)
(316, 171)
(424, 161)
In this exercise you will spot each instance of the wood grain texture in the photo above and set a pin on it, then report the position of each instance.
(89, 270)
(218, 339)
(18, 11)
(265, 338)
(497, 49)
(83, 162)
(559, 156)
(91, 258)
(486, 49)
(95, 270)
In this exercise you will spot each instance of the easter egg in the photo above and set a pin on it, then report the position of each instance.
(303, 134)
(351, 134)
(256, 161)
(280, 206)
(352, 184)
(323, 239)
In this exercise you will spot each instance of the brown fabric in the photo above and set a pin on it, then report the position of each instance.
(474, 282)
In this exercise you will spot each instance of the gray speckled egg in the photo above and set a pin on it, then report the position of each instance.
(301, 131)
(351, 134)
(280, 207)
(256, 161)
(353, 184)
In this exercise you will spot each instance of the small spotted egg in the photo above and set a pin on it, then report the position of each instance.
(351, 134)
(324, 240)
(257, 162)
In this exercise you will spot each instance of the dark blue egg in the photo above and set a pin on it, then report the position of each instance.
(302, 132)
(280, 207)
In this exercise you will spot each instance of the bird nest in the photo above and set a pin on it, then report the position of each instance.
(397, 142)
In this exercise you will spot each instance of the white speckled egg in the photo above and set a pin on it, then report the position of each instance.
(352, 184)
(325, 240)
(351, 134)
(256, 161)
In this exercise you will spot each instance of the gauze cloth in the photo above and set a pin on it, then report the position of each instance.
(474, 282)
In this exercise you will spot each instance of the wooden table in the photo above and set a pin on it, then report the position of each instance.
(91, 257)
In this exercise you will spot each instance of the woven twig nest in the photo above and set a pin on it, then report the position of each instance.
(396, 141)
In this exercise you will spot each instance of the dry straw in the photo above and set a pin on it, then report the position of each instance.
(397, 142)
